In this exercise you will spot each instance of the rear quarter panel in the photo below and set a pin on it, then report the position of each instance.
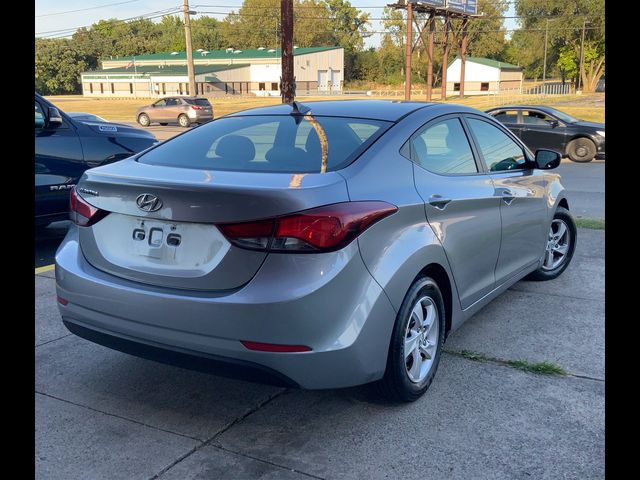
(396, 249)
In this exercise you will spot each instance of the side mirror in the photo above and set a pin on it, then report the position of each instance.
(55, 119)
(554, 123)
(547, 159)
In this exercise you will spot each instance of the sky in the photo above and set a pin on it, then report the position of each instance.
(50, 17)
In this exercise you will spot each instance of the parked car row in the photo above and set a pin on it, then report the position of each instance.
(317, 245)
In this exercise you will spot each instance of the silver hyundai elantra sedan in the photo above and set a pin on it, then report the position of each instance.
(317, 245)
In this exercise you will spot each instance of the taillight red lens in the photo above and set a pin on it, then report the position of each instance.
(196, 107)
(83, 213)
(320, 229)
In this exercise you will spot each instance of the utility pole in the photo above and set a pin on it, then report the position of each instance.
(445, 59)
(407, 62)
(584, 26)
(287, 80)
(463, 54)
(544, 66)
(187, 37)
(431, 22)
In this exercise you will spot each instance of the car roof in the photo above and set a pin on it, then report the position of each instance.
(542, 108)
(389, 110)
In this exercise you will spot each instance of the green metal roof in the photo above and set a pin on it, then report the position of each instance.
(220, 54)
(168, 70)
(490, 63)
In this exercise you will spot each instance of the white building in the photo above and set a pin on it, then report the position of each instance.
(220, 72)
(483, 76)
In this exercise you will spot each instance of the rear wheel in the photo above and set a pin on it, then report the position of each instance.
(581, 150)
(416, 343)
(143, 119)
(183, 120)
(561, 243)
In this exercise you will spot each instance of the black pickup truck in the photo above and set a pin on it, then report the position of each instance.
(66, 147)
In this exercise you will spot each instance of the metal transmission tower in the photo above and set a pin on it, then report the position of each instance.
(447, 10)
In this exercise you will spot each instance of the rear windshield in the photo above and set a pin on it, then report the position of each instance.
(274, 143)
(203, 102)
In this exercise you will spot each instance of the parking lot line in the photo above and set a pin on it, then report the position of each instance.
(46, 268)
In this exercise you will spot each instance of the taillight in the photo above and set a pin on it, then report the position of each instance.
(320, 229)
(81, 212)
(196, 107)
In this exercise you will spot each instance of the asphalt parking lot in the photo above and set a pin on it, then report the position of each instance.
(102, 414)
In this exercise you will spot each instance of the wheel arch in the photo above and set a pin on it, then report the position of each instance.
(438, 273)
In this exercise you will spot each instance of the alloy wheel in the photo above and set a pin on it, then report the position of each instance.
(421, 339)
(557, 245)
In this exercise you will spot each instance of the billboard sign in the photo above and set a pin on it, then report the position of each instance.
(469, 7)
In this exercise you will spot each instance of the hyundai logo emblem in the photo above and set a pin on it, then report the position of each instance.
(148, 203)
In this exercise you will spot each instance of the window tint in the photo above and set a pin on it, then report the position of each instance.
(39, 116)
(499, 151)
(443, 148)
(267, 143)
(203, 102)
(506, 116)
(172, 102)
(160, 103)
(531, 117)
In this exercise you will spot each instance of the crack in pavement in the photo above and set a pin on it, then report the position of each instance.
(54, 340)
(217, 434)
(117, 416)
(504, 363)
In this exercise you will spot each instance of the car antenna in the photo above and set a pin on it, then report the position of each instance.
(299, 108)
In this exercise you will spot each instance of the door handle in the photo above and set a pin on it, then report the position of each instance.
(438, 201)
(508, 196)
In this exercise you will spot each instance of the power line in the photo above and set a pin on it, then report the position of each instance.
(85, 9)
(145, 16)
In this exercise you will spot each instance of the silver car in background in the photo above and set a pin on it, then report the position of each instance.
(319, 245)
(181, 110)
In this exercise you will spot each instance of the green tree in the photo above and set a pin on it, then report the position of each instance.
(58, 65)
(566, 19)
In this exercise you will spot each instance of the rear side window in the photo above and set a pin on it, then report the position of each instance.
(269, 143)
(203, 102)
(443, 148)
(499, 151)
(506, 116)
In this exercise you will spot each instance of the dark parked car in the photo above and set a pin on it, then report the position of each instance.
(545, 127)
(181, 110)
(66, 147)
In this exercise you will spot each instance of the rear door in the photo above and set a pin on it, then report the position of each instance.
(521, 192)
(173, 109)
(512, 119)
(158, 112)
(460, 204)
(58, 163)
(540, 130)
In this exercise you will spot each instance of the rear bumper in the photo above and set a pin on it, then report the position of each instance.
(328, 302)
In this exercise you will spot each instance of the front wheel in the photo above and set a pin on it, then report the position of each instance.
(416, 343)
(561, 243)
(581, 150)
(143, 119)
(183, 121)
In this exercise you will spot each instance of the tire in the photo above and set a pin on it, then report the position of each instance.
(164, 124)
(184, 121)
(581, 150)
(404, 380)
(552, 267)
(143, 119)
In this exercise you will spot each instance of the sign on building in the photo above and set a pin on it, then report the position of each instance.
(469, 7)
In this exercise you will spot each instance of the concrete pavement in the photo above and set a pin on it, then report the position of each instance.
(104, 414)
